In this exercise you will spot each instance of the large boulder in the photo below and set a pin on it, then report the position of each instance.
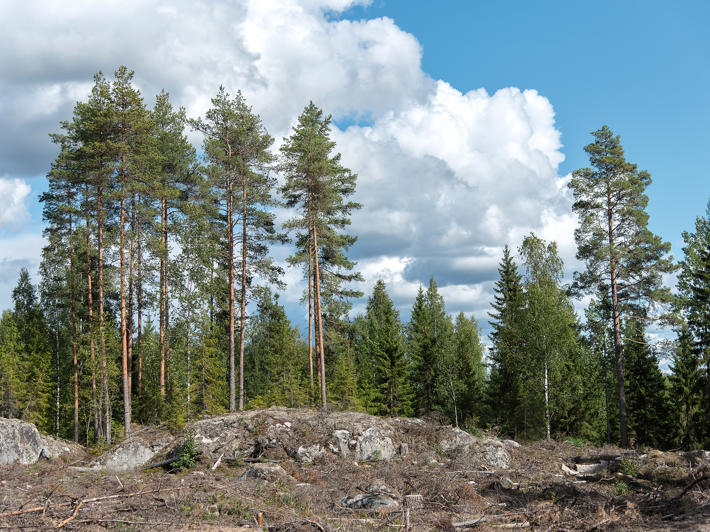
(266, 471)
(479, 452)
(21, 442)
(372, 445)
(135, 451)
(378, 495)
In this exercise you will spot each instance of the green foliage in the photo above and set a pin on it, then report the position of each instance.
(11, 370)
(504, 380)
(620, 488)
(628, 467)
(381, 358)
(132, 215)
(186, 454)
(275, 371)
(28, 346)
(686, 393)
(430, 334)
(649, 409)
(621, 254)
(694, 304)
(318, 186)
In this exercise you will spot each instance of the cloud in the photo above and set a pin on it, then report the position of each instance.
(446, 177)
(281, 54)
(13, 194)
(449, 181)
(21, 250)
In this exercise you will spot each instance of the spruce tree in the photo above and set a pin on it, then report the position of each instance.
(275, 366)
(503, 389)
(12, 372)
(686, 392)
(600, 346)
(430, 337)
(694, 303)
(36, 355)
(649, 414)
(619, 251)
(383, 344)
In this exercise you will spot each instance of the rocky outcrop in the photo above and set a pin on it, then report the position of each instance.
(21, 442)
(308, 435)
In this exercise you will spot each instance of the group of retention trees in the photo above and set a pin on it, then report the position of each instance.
(156, 297)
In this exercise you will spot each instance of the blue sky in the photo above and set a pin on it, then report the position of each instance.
(462, 118)
(642, 67)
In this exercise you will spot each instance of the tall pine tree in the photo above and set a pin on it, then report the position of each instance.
(619, 251)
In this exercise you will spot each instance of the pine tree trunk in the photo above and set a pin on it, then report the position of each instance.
(166, 301)
(58, 390)
(131, 290)
(244, 291)
(96, 414)
(187, 349)
(310, 312)
(547, 402)
(102, 335)
(162, 302)
(319, 317)
(139, 297)
(124, 335)
(75, 359)
(619, 354)
(230, 263)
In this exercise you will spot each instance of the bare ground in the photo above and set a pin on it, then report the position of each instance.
(650, 491)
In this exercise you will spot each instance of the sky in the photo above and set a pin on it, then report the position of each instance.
(462, 119)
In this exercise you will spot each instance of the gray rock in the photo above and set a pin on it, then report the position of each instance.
(511, 443)
(266, 471)
(370, 501)
(493, 454)
(342, 439)
(506, 483)
(135, 451)
(310, 453)
(127, 455)
(21, 442)
(373, 446)
(458, 439)
(593, 469)
(378, 495)
(587, 470)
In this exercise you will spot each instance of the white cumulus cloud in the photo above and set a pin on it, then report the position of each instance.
(446, 177)
(13, 195)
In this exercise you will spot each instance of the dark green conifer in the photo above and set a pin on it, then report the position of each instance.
(503, 388)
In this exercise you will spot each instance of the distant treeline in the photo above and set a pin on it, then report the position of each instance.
(154, 254)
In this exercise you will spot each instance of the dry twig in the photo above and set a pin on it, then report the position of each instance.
(71, 517)
(94, 499)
